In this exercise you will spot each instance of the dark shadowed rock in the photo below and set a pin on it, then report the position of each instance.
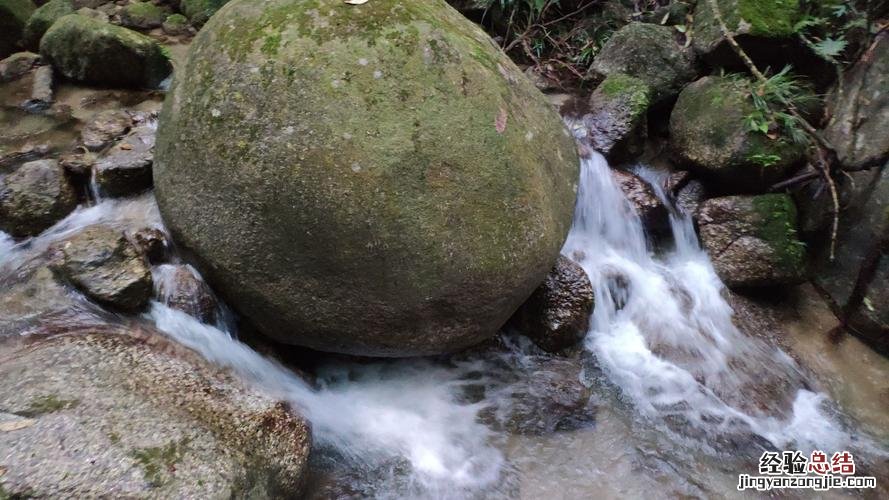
(126, 168)
(557, 314)
(179, 287)
(617, 124)
(408, 209)
(13, 16)
(709, 134)
(103, 264)
(199, 11)
(752, 240)
(860, 112)
(17, 65)
(765, 29)
(34, 197)
(78, 164)
(547, 397)
(28, 152)
(650, 53)
(857, 280)
(131, 415)
(152, 243)
(104, 128)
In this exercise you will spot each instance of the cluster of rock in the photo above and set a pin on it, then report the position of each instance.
(730, 174)
(102, 42)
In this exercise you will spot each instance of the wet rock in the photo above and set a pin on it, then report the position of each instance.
(690, 196)
(709, 134)
(103, 264)
(654, 215)
(549, 397)
(376, 247)
(617, 125)
(176, 25)
(105, 128)
(650, 53)
(857, 280)
(557, 314)
(140, 417)
(93, 52)
(765, 29)
(78, 164)
(34, 197)
(142, 15)
(199, 11)
(43, 18)
(126, 168)
(17, 65)
(752, 240)
(41, 90)
(13, 16)
(180, 287)
(152, 243)
(860, 113)
(28, 152)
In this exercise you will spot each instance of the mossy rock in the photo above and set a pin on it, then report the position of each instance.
(91, 51)
(14, 15)
(650, 53)
(617, 122)
(43, 18)
(176, 24)
(377, 179)
(752, 240)
(142, 15)
(765, 30)
(709, 133)
(199, 11)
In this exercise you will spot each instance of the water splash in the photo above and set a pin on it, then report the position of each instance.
(663, 333)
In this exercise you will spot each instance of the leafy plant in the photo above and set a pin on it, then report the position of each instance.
(771, 100)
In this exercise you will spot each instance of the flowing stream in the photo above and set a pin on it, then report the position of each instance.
(681, 401)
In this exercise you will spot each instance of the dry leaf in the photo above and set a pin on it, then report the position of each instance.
(500, 121)
(126, 146)
(14, 425)
(355, 2)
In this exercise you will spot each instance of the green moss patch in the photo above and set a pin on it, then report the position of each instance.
(158, 463)
(777, 214)
(50, 403)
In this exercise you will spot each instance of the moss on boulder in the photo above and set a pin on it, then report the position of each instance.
(617, 122)
(43, 18)
(376, 179)
(650, 53)
(708, 131)
(14, 15)
(765, 29)
(752, 240)
(198, 11)
(142, 15)
(91, 51)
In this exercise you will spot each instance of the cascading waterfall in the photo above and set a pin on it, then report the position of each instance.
(661, 333)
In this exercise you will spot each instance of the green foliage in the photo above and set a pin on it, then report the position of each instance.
(771, 102)
(765, 160)
(833, 28)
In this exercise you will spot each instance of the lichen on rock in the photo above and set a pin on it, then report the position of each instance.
(404, 184)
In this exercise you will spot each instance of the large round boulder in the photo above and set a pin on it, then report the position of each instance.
(375, 179)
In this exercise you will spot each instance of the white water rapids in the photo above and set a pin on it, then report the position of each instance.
(661, 346)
